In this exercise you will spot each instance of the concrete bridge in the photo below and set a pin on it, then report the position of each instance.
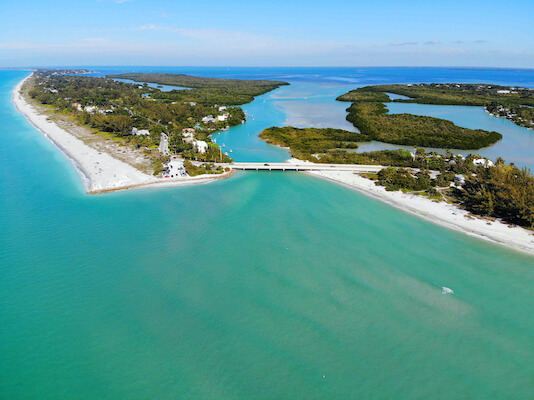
(268, 166)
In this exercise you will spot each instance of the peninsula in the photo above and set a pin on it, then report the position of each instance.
(205, 91)
(120, 135)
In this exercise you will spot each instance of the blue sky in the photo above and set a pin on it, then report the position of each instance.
(267, 33)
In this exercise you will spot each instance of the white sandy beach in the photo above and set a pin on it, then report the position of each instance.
(99, 171)
(441, 213)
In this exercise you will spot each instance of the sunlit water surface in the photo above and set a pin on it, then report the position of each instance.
(262, 286)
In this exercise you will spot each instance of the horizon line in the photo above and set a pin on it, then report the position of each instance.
(265, 66)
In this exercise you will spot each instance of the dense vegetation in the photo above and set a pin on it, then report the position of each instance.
(400, 158)
(308, 141)
(205, 90)
(501, 191)
(336, 146)
(513, 103)
(454, 94)
(402, 179)
(195, 170)
(373, 120)
(361, 94)
(521, 115)
(121, 109)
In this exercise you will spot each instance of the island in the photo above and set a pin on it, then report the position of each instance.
(370, 116)
(513, 103)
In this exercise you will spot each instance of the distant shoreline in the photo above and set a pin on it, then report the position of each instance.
(99, 171)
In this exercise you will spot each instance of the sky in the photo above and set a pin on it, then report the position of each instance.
(464, 33)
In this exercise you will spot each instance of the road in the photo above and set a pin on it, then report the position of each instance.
(263, 166)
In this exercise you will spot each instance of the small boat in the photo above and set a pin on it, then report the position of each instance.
(226, 153)
(231, 151)
(224, 145)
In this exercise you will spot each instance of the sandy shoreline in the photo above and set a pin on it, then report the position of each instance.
(441, 213)
(99, 171)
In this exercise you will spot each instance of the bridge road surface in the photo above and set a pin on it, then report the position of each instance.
(263, 166)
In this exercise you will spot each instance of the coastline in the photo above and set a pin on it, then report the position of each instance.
(99, 171)
(102, 173)
(440, 213)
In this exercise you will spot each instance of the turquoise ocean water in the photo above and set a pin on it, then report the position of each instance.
(262, 286)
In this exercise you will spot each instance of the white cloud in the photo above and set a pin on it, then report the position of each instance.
(152, 27)
(404, 44)
(217, 40)
(163, 45)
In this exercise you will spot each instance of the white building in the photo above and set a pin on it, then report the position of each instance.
(209, 118)
(91, 109)
(200, 146)
(222, 118)
(222, 108)
(503, 91)
(482, 162)
(140, 132)
(188, 132)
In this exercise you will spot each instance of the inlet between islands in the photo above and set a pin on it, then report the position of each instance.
(100, 173)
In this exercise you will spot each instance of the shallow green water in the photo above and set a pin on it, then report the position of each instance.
(266, 285)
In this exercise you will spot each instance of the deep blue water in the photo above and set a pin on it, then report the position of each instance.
(347, 75)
